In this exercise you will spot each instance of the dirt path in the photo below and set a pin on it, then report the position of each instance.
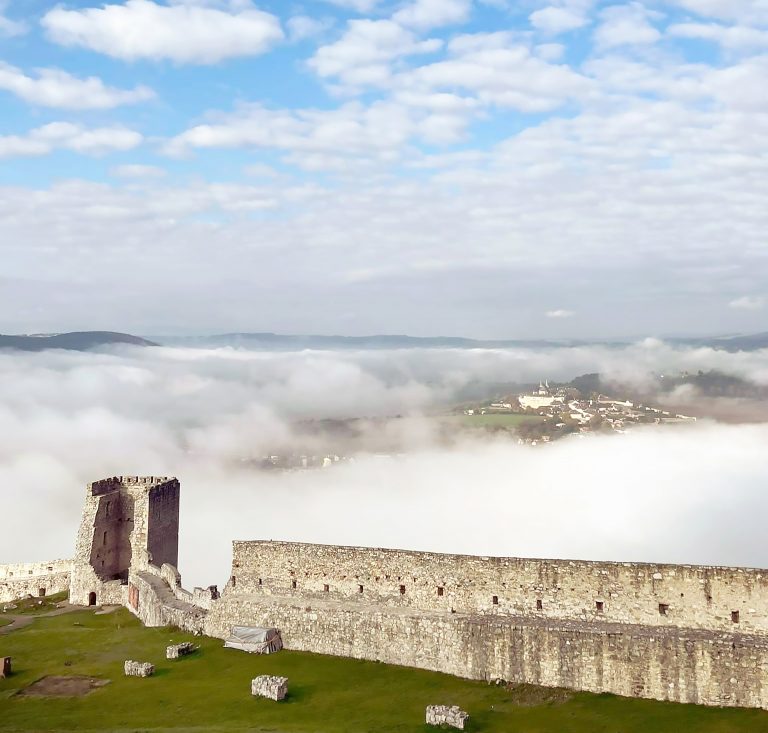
(20, 621)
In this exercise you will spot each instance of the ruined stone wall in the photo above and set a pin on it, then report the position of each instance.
(163, 523)
(703, 667)
(21, 579)
(122, 517)
(716, 598)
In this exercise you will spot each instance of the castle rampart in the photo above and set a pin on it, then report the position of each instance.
(714, 598)
(36, 579)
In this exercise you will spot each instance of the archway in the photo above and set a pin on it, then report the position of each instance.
(92, 599)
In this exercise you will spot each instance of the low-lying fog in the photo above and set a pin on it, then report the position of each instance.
(694, 493)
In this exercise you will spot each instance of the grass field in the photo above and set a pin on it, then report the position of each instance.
(507, 420)
(4, 621)
(210, 691)
(37, 606)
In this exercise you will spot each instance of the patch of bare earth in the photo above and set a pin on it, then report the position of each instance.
(530, 696)
(52, 686)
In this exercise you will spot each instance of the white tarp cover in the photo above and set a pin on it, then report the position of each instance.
(254, 639)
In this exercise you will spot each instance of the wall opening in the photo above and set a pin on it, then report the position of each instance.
(734, 617)
(259, 581)
(440, 590)
(359, 588)
(326, 588)
(233, 580)
(92, 599)
(41, 592)
(104, 539)
(599, 606)
(402, 590)
(539, 605)
(495, 600)
(293, 584)
(663, 609)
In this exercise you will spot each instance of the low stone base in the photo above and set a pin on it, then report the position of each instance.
(274, 688)
(179, 650)
(139, 669)
(451, 715)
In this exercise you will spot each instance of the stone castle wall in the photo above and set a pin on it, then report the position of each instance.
(21, 579)
(714, 598)
(682, 665)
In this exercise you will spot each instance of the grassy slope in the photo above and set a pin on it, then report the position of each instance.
(4, 621)
(211, 691)
(502, 420)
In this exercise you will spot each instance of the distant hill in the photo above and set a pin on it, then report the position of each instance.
(75, 341)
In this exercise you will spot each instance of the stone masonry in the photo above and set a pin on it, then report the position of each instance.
(274, 688)
(138, 669)
(450, 715)
(176, 651)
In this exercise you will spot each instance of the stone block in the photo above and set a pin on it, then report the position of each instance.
(179, 650)
(5, 667)
(274, 688)
(450, 715)
(139, 669)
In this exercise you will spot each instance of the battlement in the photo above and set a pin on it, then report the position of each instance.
(115, 483)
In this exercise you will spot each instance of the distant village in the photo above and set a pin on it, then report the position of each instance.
(562, 411)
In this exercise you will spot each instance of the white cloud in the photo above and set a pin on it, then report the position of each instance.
(499, 70)
(623, 25)
(58, 89)
(555, 20)
(135, 170)
(363, 54)
(748, 302)
(68, 136)
(381, 129)
(10, 27)
(426, 14)
(560, 313)
(301, 27)
(184, 33)
(743, 11)
(738, 37)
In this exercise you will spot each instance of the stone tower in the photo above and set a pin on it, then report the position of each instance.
(129, 523)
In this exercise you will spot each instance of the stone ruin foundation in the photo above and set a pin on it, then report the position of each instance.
(179, 650)
(451, 715)
(139, 669)
(274, 688)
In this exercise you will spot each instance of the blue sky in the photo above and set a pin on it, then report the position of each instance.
(548, 167)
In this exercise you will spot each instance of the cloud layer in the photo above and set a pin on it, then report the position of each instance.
(657, 494)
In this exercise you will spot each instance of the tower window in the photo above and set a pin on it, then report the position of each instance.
(440, 590)
(293, 584)
(326, 588)
(663, 609)
(359, 588)
(599, 606)
(539, 605)
(495, 600)
(735, 617)
(234, 581)
(402, 590)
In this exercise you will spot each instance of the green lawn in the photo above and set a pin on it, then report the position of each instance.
(210, 691)
(4, 621)
(36, 606)
(498, 420)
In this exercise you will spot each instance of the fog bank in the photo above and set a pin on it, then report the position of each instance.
(688, 494)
